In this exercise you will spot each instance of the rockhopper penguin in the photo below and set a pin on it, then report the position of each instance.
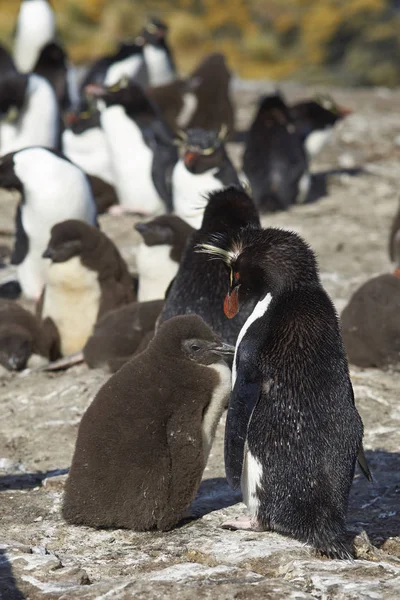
(35, 28)
(293, 432)
(144, 441)
(157, 54)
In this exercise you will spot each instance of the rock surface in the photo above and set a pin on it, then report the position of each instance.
(41, 557)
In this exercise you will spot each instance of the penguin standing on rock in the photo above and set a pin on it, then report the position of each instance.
(35, 28)
(274, 160)
(159, 255)
(141, 148)
(86, 278)
(293, 432)
(199, 286)
(53, 189)
(204, 167)
(144, 441)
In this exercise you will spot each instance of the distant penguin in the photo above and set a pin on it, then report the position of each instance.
(210, 87)
(35, 28)
(7, 66)
(157, 54)
(170, 101)
(274, 160)
(200, 284)
(126, 62)
(121, 333)
(52, 64)
(315, 120)
(30, 113)
(293, 432)
(370, 323)
(144, 441)
(141, 148)
(86, 278)
(204, 167)
(159, 255)
(53, 189)
(20, 337)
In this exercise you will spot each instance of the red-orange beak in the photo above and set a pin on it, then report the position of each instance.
(344, 111)
(189, 159)
(397, 273)
(231, 303)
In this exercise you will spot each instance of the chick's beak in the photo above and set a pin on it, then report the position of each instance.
(222, 349)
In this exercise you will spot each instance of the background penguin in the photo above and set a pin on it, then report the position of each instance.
(199, 286)
(7, 66)
(53, 189)
(157, 54)
(293, 432)
(20, 337)
(32, 113)
(126, 62)
(370, 323)
(35, 28)
(121, 333)
(170, 101)
(52, 64)
(204, 167)
(144, 441)
(159, 255)
(274, 160)
(141, 148)
(86, 278)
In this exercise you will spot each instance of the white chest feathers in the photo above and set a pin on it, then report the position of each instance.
(72, 300)
(316, 140)
(132, 162)
(190, 192)
(158, 65)
(156, 270)
(216, 407)
(250, 481)
(89, 150)
(35, 28)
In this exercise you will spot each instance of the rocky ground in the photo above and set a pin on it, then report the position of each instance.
(42, 557)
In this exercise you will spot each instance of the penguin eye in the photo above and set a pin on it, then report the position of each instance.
(236, 276)
(195, 347)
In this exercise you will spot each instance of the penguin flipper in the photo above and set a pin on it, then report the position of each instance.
(363, 464)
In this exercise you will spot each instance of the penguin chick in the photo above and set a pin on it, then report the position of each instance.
(121, 333)
(53, 190)
(86, 278)
(274, 160)
(141, 148)
(199, 286)
(35, 28)
(157, 53)
(293, 432)
(373, 341)
(159, 255)
(144, 441)
(20, 336)
(203, 168)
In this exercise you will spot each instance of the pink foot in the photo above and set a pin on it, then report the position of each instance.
(117, 210)
(242, 523)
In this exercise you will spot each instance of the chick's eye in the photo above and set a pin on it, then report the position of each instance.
(195, 347)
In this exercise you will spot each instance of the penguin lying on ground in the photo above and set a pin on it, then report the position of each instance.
(293, 432)
(159, 255)
(274, 160)
(53, 189)
(199, 286)
(141, 148)
(35, 28)
(86, 278)
(20, 337)
(122, 333)
(144, 441)
(157, 54)
(204, 167)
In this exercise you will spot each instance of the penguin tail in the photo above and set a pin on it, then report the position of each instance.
(333, 547)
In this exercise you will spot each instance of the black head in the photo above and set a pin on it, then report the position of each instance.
(229, 210)
(84, 116)
(166, 229)
(12, 96)
(154, 32)
(319, 114)
(125, 93)
(71, 238)
(262, 261)
(274, 111)
(16, 346)
(8, 177)
(190, 339)
(202, 149)
(52, 56)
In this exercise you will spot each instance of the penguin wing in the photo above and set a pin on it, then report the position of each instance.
(243, 400)
(361, 458)
(21, 245)
(165, 159)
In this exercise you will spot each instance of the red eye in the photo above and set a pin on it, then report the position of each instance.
(236, 276)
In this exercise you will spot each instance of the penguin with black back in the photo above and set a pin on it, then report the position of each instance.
(53, 190)
(86, 277)
(52, 64)
(126, 62)
(35, 28)
(200, 285)
(7, 66)
(144, 441)
(293, 432)
(159, 255)
(157, 53)
(203, 168)
(122, 333)
(141, 148)
(275, 160)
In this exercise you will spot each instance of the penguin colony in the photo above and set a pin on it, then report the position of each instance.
(221, 310)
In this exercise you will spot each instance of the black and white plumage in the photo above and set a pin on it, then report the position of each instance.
(35, 28)
(293, 432)
(157, 54)
(52, 64)
(126, 62)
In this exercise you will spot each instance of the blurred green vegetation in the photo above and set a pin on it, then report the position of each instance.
(352, 42)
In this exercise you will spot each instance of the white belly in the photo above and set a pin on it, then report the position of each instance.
(156, 271)
(35, 28)
(158, 65)
(123, 68)
(250, 481)
(216, 407)
(190, 193)
(317, 140)
(71, 300)
(89, 151)
(303, 187)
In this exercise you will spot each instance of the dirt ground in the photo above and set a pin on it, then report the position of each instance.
(42, 557)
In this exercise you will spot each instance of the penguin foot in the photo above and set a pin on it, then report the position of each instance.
(243, 523)
(117, 210)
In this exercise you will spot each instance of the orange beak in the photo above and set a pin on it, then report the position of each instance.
(231, 303)
(344, 111)
(397, 273)
(190, 157)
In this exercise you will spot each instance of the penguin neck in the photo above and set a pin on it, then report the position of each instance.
(158, 64)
